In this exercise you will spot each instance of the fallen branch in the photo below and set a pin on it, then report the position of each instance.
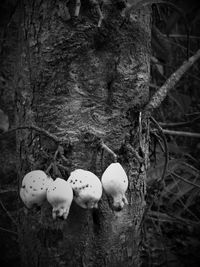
(181, 133)
(160, 95)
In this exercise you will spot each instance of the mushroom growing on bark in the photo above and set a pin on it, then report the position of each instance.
(115, 183)
(34, 188)
(60, 196)
(87, 188)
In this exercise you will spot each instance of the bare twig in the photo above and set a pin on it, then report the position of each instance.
(191, 167)
(37, 129)
(178, 124)
(169, 217)
(106, 148)
(181, 133)
(7, 190)
(160, 95)
(180, 36)
(54, 160)
(161, 131)
(56, 153)
(62, 167)
(77, 8)
(140, 132)
(157, 184)
(59, 152)
(100, 15)
(49, 168)
(185, 180)
(9, 231)
(7, 212)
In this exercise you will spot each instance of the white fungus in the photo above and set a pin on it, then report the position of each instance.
(87, 188)
(60, 196)
(115, 183)
(34, 187)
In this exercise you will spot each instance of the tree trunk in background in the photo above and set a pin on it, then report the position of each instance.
(79, 81)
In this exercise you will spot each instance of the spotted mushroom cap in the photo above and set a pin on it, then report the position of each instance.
(60, 196)
(33, 189)
(87, 188)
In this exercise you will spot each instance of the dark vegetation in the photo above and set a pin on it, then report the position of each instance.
(171, 227)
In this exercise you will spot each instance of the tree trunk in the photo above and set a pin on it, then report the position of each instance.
(83, 83)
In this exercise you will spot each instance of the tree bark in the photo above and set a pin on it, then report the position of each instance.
(84, 83)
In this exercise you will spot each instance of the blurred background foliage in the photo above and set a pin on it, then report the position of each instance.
(172, 225)
(171, 228)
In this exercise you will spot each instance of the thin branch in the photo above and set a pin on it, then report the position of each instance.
(49, 168)
(190, 166)
(188, 74)
(9, 231)
(169, 217)
(61, 153)
(7, 212)
(189, 221)
(101, 17)
(181, 133)
(56, 153)
(160, 95)
(178, 124)
(106, 148)
(8, 190)
(77, 8)
(161, 131)
(37, 129)
(62, 167)
(185, 180)
(181, 36)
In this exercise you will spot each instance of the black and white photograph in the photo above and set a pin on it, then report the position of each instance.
(99, 133)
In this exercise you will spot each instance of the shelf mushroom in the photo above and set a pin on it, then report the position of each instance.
(115, 183)
(87, 188)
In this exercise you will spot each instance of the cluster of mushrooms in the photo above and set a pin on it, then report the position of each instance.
(82, 186)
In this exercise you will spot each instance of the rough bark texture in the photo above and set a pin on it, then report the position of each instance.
(80, 81)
